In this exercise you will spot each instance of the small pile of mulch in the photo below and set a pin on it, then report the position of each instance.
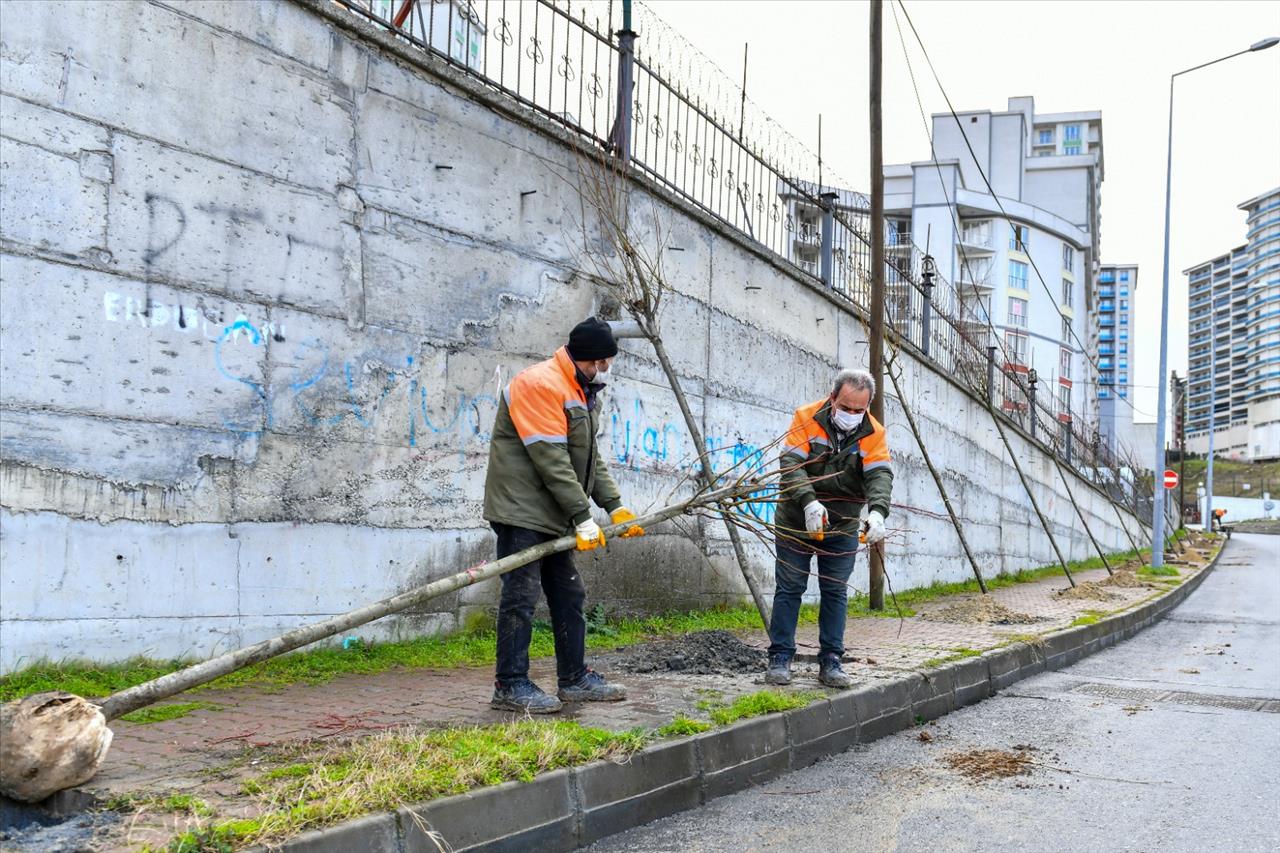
(981, 610)
(700, 653)
(1124, 579)
(980, 764)
(1087, 591)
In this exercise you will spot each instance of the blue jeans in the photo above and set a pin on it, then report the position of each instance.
(835, 564)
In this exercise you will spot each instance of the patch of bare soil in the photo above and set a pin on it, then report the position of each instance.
(1087, 591)
(1125, 579)
(699, 653)
(981, 610)
(980, 764)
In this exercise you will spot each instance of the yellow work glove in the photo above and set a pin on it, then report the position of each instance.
(589, 534)
(622, 515)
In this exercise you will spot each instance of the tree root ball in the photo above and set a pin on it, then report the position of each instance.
(50, 742)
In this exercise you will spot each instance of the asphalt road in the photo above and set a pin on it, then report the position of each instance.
(1120, 764)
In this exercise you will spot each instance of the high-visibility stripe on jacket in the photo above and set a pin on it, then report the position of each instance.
(544, 465)
(843, 472)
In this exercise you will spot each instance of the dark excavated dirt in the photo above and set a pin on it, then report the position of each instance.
(699, 653)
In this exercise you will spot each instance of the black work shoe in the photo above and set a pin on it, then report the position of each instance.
(592, 688)
(832, 674)
(523, 696)
(779, 671)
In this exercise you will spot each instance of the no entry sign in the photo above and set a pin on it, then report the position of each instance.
(1170, 478)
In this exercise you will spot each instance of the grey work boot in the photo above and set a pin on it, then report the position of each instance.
(832, 674)
(592, 687)
(779, 671)
(523, 696)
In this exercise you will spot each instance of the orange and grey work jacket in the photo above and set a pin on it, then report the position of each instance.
(843, 472)
(543, 458)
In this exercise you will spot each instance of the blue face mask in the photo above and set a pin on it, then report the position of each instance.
(845, 421)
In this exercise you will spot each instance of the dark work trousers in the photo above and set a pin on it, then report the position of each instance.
(791, 573)
(565, 596)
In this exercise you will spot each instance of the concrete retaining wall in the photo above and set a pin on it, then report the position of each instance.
(256, 318)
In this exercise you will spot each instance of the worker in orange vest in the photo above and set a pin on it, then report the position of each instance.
(545, 471)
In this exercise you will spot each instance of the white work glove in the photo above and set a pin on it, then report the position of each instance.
(872, 526)
(815, 518)
(589, 534)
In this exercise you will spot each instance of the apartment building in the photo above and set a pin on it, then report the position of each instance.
(1233, 346)
(1030, 277)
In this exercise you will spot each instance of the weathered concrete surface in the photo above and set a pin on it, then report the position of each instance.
(253, 342)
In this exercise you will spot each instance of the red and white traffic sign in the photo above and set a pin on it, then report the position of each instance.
(1170, 478)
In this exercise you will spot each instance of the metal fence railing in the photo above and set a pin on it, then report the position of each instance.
(688, 129)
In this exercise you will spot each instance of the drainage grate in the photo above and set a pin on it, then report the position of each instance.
(1181, 697)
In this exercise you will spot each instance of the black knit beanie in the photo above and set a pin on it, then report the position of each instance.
(592, 340)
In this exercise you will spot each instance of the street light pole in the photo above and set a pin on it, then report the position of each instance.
(1157, 507)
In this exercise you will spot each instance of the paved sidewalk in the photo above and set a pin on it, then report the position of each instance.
(208, 753)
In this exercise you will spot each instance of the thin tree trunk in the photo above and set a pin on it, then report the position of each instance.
(193, 676)
(937, 479)
(1027, 488)
(708, 475)
(1080, 515)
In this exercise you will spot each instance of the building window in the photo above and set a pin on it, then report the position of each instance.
(1071, 148)
(1072, 133)
(1017, 312)
(1124, 336)
(1019, 239)
(1066, 329)
(1018, 275)
(1064, 399)
(1124, 304)
(1064, 363)
(1067, 292)
(1124, 275)
(1124, 348)
(1124, 319)
(1068, 258)
(1046, 137)
(1015, 346)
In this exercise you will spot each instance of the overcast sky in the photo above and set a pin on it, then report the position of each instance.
(809, 57)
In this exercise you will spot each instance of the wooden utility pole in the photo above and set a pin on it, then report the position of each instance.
(876, 580)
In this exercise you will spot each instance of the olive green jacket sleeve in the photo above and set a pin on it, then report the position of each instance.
(877, 485)
(796, 485)
(605, 491)
(551, 461)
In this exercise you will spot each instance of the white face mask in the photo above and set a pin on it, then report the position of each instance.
(845, 421)
(602, 376)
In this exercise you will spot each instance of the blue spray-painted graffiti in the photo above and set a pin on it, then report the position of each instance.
(364, 387)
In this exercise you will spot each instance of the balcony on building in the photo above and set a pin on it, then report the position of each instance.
(974, 238)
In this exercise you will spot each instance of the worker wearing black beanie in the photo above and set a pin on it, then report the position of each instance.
(592, 340)
(545, 471)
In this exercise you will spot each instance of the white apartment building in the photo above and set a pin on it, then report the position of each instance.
(1234, 336)
(1033, 281)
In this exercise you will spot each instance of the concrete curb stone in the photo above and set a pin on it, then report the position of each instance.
(744, 754)
(566, 809)
(659, 781)
(537, 815)
(827, 727)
